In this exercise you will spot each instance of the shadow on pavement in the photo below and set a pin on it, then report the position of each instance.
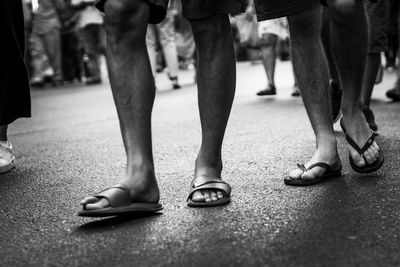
(111, 223)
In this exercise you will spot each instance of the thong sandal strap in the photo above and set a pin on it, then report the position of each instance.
(350, 140)
(201, 183)
(117, 196)
(324, 165)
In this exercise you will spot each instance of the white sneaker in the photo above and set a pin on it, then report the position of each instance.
(7, 157)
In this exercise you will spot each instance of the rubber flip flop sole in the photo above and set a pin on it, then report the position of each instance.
(135, 208)
(219, 202)
(304, 182)
(369, 168)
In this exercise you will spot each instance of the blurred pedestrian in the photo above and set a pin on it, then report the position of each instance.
(394, 93)
(14, 82)
(45, 41)
(92, 33)
(164, 35)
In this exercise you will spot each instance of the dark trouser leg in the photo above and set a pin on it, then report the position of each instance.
(91, 44)
(216, 75)
(3, 132)
(14, 85)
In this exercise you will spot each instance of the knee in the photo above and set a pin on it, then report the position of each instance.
(122, 16)
(343, 11)
(212, 32)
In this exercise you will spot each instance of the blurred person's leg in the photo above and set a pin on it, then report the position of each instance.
(14, 83)
(52, 43)
(216, 87)
(312, 76)
(394, 93)
(91, 45)
(378, 28)
(41, 67)
(133, 89)
(268, 56)
(168, 43)
(349, 30)
(151, 44)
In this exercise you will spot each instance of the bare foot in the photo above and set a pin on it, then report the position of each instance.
(328, 155)
(211, 173)
(142, 187)
(357, 128)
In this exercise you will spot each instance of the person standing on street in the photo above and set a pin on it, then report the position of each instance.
(349, 30)
(14, 83)
(93, 37)
(45, 41)
(133, 88)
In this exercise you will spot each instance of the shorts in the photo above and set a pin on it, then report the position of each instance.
(378, 16)
(271, 9)
(191, 9)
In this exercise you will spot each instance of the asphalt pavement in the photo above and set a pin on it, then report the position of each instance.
(72, 147)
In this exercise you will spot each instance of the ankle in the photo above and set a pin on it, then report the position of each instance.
(208, 165)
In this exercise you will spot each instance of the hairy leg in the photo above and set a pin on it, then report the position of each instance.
(349, 30)
(312, 73)
(134, 91)
(216, 76)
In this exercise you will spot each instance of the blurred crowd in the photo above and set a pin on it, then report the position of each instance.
(66, 40)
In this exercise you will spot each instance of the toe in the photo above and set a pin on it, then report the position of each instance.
(207, 196)
(295, 174)
(102, 203)
(198, 197)
(313, 173)
(214, 196)
(357, 158)
(88, 200)
(368, 156)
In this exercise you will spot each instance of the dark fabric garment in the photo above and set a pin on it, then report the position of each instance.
(324, 2)
(191, 9)
(198, 9)
(158, 9)
(378, 17)
(271, 9)
(14, 83)
(93, 40)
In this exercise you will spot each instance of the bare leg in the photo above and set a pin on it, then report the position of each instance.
(133, 89)
(311, 70)
(349, 29)
(371, 70)
(216, 84)
(268, 55)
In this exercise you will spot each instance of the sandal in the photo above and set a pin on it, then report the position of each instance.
(120, 204)
(330, 172)
(368, 167)
(201, 183)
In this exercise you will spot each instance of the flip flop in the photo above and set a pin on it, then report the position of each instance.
(201, 183)
(368, 167)
(120, 204)
(330, 172)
